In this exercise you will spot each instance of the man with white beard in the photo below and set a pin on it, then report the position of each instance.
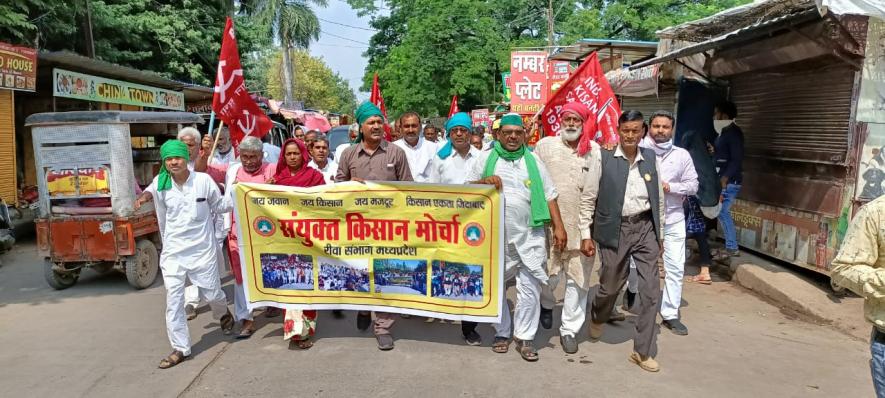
(566, 158)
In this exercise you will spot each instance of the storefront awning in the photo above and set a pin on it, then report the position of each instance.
(757, 30)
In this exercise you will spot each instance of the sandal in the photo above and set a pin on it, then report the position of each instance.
(300, 344)
(247, 331)
(175, 358)
(701, 280)
(227, 323)
(526, 350)
(501, 345)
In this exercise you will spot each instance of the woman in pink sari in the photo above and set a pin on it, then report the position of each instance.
(292, 170)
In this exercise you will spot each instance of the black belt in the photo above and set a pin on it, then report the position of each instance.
(878, 336)
(637, 217)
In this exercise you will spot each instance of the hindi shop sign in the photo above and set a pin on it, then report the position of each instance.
(427, 250)
(75, 85)
(528, 79)
(480, 117)
(18, 68)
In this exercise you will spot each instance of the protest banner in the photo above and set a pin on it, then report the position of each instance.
(528, 77)
(588, 86)
(481, 117)
(428, 250)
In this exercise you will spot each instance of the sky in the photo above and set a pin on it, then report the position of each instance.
(342, 47)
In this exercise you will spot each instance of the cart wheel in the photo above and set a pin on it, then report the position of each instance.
(142, 268)
(103, 268)
(59, 280)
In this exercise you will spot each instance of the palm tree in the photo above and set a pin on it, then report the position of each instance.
(294, 24)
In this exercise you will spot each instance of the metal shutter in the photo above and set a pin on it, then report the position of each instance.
(797, 115)
(8, 184)
(664, 101)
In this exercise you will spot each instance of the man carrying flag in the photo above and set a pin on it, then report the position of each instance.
(530, 206)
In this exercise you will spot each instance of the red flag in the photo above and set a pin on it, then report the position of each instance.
(588, 86)
(453, 108)
(232, 102)
(378, 100)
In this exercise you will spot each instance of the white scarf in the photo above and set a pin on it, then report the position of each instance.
(660, 148)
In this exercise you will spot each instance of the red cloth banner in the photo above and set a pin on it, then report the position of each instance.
(528, 77)
(589, 86)
(453, 107)
(232, 102)
(376, 98)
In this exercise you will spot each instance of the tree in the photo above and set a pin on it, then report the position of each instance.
(294, 24)
(315, 83)
(424, 51)
(179, 39)
(636, 19)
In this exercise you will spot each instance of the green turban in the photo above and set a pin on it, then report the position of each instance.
(512, 119)
(363, 113)
(170, 149)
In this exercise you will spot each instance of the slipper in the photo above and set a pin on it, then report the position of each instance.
(175, 358)
(300, 344)
(246, 333)
(501, 345)
(702, 281)
(526, 350)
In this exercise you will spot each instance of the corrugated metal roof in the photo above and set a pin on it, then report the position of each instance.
(753, 31)
(629, 50)
(735, 18)
(77, 62)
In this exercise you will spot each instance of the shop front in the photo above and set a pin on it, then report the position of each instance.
(798, 78)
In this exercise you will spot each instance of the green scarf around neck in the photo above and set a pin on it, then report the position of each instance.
(540, 211)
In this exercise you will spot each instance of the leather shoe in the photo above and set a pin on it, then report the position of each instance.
(569, 344)
(363, 320)
(617, 316)
(546, 318)
(385, 342)
(675, 326)
(596, 330)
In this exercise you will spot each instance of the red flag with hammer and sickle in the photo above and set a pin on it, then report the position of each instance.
(231, 101)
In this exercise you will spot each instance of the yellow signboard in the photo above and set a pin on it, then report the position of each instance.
(431, 250)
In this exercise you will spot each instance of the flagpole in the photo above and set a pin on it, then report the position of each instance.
(211, 121)
(217, 134)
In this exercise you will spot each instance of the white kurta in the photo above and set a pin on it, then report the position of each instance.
(185, 214)
(223, 158)
(420, 158)
(530, 242)
(454, 169)
(328, 172)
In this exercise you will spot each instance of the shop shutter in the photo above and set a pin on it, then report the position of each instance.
(796, 115)
(664, 101)
(8, 183)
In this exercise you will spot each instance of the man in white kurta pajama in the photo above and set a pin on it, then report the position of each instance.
(185, 203)
(525, 249)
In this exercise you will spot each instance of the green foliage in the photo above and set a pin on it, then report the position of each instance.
(179, 39)
(315, 83)
(427, 50)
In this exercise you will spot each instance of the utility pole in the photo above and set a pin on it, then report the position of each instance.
(550, 26)
(87, 31)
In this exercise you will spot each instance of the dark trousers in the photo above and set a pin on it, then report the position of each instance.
(467, 327)
(703, 247)
(638, 240)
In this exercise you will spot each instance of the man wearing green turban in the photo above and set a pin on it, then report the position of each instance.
(530, 205)
(185, 204)
(372, 158)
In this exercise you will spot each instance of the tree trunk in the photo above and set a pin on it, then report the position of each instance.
(288, 79)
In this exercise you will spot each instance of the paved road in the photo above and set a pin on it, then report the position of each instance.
(103, 339)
